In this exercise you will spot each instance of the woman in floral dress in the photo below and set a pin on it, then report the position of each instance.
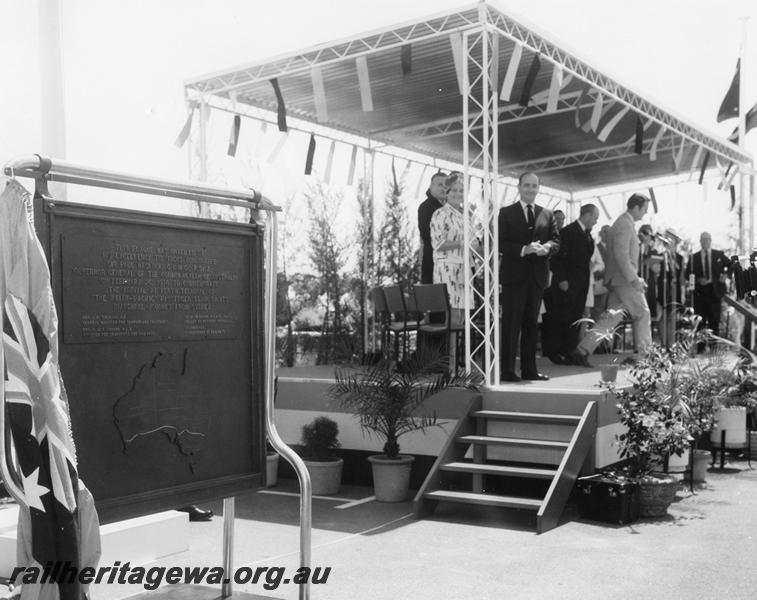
(447, 242)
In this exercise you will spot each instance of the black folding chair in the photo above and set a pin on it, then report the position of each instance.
(401, 321)
(433, 298)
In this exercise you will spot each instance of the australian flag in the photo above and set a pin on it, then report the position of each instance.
(57, 520)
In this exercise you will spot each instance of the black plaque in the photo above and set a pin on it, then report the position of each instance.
(161, 353)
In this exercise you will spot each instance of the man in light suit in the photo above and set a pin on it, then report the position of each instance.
(625, 286)
(528, 236)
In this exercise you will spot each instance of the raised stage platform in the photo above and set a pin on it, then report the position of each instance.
(303, 395)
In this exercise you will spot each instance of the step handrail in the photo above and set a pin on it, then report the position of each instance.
(580, 445)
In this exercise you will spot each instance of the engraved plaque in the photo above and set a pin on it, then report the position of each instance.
(122, 290)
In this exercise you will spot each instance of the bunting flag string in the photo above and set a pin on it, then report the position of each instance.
(319, 95)
(555, 85)
(281, 108)
(656, 142)
(277, 148)
(234, 135)
(310, 155)
(596, 112)
(351, 171)
(678, 156)
(406, 59)
(577, 112)
(704, 167)
(695, 162)
(638, 146)
(605, 109)
(456, 43)
(364, 82)
(512, 71)
(329, 163)
(533, 72)
(181, 139)
(653, 199)
(612, 123)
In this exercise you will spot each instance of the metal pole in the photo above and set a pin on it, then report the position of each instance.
(228, 547)
(274, 438)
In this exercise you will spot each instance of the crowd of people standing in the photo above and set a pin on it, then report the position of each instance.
(559, 275)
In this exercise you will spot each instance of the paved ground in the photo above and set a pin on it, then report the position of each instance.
(705, 548)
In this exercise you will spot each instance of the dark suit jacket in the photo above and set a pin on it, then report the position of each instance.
(514, 234)
(426, 210)
(571, 263)
(720, 265)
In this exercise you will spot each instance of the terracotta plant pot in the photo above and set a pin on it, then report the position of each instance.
(701, 462)
(325, 476)
(391, 477)
(678, 464)
(271, 469)
(656, 494)
(608, 373)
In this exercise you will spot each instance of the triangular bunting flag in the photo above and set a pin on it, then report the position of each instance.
(638, 145)
(456, 42)
(533, 72)
(364, 81)
(311, 154)
(234, 135)
(351, 171)
(704, 167)
(181, 139)
(555, 86)
(733, 196)
(319, 95)
(653, 199)
(329, 163)
(656, 142)
(406, 59)
(277, 148)
(512, 71)
(612, 123)
(281, 109)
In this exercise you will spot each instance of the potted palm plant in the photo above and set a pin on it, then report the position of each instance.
(608, 369)
(387, 398)
(319, 441)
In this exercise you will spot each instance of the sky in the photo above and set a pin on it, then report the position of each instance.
(124, 64)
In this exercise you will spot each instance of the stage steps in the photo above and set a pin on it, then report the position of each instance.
(503, 450)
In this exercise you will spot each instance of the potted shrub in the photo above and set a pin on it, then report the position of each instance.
(656, 428)
(319, 441)
(387, 401)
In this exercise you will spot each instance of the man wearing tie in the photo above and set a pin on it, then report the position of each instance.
(710, 268)
(570, 285)
(528, 236)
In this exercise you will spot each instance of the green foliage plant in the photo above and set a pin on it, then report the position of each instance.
(387, 397)
(320, 439)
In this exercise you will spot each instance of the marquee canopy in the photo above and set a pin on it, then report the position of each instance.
(403, 86)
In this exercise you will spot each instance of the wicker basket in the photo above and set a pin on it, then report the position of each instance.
(655, 495)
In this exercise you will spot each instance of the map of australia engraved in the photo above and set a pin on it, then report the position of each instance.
(120, 290)
(161, 403)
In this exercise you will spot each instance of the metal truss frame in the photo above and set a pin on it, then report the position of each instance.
(519, 33)
(432, 27)
(480, 112)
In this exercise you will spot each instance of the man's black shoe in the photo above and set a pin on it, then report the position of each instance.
(197, 514)
(578, 358)
(511, 377)
(630, 361)
(534, 377)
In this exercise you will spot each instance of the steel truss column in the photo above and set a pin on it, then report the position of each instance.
(480, 151)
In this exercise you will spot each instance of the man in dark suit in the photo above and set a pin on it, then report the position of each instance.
(710, 268)
(436, 196)
(570, 285)
(528, 236)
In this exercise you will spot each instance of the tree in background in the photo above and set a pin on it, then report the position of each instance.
(366, 244)
(397, 259)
